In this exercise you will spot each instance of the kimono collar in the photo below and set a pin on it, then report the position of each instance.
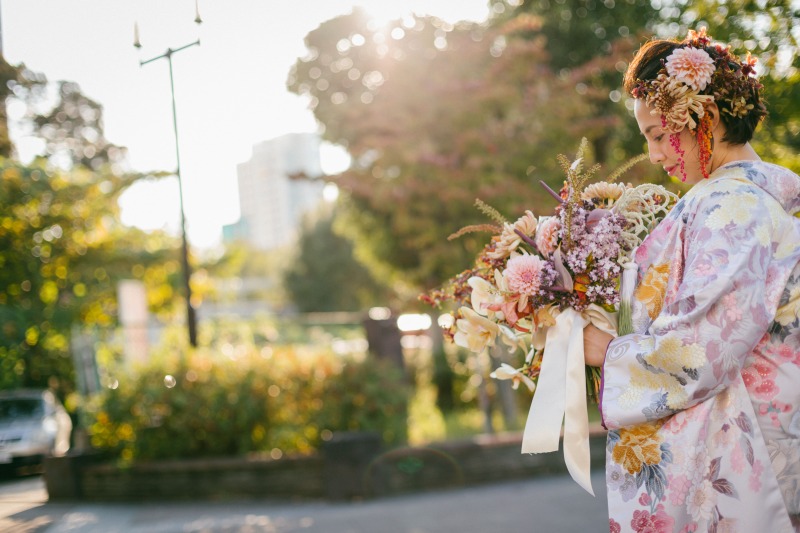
(779, 182)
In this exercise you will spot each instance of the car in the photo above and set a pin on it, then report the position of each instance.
(33, 425)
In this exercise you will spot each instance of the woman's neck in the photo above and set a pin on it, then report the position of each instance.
(728, 153)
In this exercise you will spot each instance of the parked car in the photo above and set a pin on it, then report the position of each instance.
(33, 424)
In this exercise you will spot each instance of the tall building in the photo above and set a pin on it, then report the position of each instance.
(272, 204)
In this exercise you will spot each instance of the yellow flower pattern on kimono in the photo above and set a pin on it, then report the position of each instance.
(672, 356)
(790, 311)
(638, 446)
(651, 291)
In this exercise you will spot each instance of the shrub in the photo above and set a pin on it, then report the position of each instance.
(281, 400)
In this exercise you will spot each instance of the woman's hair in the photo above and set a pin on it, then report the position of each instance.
(648, 63)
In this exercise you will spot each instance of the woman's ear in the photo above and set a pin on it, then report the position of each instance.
(713, 111)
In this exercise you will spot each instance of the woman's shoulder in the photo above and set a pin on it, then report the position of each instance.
(759, 178)
(748, 183)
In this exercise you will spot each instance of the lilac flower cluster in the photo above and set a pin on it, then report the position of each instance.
(549, 276)
(591, 255)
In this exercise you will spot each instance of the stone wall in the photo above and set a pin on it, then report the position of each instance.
(351, 466)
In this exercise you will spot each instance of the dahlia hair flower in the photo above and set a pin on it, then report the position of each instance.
(692, 66)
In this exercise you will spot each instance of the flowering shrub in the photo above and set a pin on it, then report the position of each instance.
(276, 401)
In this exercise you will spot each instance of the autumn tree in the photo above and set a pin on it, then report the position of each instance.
(435, 116)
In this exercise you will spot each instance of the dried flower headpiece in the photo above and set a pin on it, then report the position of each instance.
(691, 78)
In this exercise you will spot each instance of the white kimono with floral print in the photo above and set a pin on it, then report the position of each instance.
(702, 401)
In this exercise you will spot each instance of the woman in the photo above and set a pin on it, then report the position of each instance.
(702, 401)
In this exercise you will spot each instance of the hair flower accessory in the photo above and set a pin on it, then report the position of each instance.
(691, 66)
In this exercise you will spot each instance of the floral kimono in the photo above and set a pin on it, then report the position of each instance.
(702, 401)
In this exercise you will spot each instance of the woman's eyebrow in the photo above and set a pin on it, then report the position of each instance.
(648, 128)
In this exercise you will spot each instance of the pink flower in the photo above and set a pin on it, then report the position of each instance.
(704, 269)
(737, 459)
(547, 235)
(679, 486)
(691, 66)
(701, 500)
(755, 476)
(784, 352)
(732, 308)
(523, 274)
(644, 522)
(613, 526)
(759, 378)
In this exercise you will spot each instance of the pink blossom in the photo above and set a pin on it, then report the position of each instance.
(547, 235)
(755, 476)
(784, 352)
(759, 378)
(613, 526)
(704, 269)
(523, 274)
(701, 500)
(692, 66)
(737, 459)
(678, 486)
(644, 522)
(732, 309)
(644, 499)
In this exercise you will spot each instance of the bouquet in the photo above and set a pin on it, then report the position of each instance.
(540, 280)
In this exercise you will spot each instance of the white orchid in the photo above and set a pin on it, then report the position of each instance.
(507, 371)
(511, 339)
(474, 331)
(483, 295)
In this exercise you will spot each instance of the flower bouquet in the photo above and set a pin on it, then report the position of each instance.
(540, 280)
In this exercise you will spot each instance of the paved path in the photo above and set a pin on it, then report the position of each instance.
(542, 505)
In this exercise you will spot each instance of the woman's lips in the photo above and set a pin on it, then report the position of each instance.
(670, 170)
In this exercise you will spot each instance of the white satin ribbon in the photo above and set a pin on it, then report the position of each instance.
(561, 393)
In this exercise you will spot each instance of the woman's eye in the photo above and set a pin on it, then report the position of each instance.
(658, 139)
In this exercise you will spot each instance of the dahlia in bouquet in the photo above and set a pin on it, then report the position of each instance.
(540, 280)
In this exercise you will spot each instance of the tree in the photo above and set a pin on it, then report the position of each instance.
(435, 116)
(62, 246)
(8, 73)
(69, 123)
(62, 250)
(325, 276)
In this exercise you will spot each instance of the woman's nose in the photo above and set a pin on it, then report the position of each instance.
(656, 155)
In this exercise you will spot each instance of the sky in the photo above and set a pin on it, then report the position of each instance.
(230, 91)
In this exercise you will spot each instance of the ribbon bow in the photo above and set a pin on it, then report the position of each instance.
(561, 392)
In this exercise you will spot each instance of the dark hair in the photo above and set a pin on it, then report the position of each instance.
(648, 62)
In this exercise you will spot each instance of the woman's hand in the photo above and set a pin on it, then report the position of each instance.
(595, 344)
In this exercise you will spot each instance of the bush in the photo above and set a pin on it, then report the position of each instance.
(281, 400)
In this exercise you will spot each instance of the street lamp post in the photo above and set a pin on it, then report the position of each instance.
(191, 316)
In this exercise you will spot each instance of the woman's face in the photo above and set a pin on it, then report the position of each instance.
(662, 152)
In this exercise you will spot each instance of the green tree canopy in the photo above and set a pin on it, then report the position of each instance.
(62, 250)
(325, 274)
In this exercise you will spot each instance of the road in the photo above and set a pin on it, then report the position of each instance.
(542, 505)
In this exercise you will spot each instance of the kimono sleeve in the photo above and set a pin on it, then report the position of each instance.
(714, 312)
